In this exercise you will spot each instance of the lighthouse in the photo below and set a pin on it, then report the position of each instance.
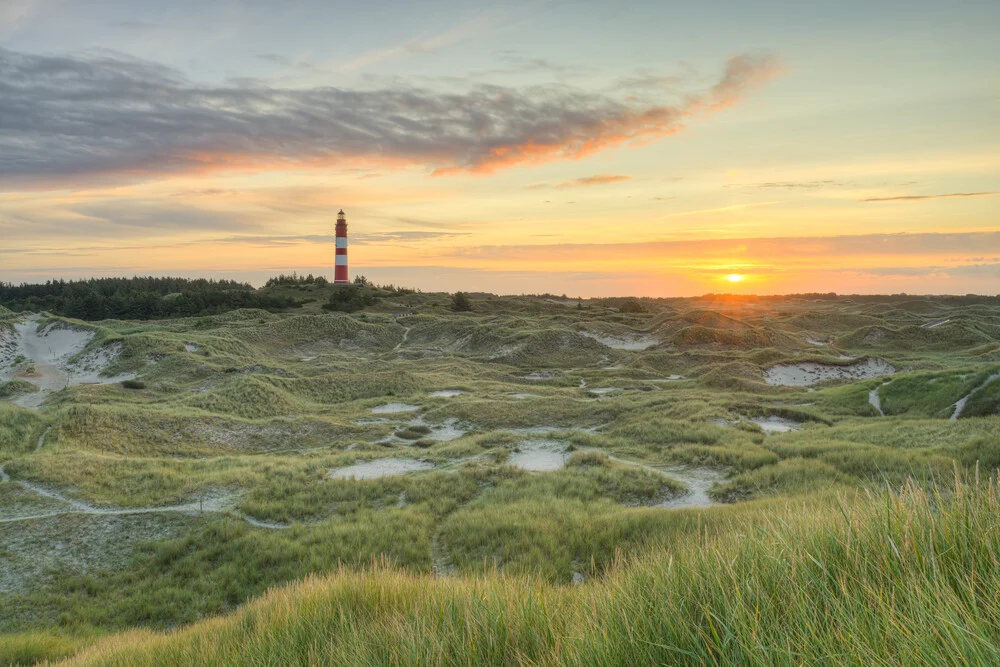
(340, 269)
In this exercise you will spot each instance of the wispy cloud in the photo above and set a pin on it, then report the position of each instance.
(596, 179)
(14, 13)
(786, 185)
(425, 44)
(785, 250)
(952, 195)
(100, 115)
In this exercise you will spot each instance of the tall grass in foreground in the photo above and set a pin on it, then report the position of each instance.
(907, 577)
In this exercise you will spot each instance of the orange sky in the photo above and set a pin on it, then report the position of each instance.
(471, 155)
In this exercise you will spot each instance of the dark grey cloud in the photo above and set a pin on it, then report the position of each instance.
(126, 219)
(953, 195)
(104, 114)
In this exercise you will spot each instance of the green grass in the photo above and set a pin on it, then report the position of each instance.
(930, 395)
(889, 579)
(264, 406)
(19, 430)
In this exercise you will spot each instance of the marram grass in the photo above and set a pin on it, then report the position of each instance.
(906, 577)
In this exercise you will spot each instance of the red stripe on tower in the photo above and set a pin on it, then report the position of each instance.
(340, 270)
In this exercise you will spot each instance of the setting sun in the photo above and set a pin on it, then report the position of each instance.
(735, 278)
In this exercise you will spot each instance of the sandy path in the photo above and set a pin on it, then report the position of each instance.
(215, 504)
(960, 404)
(697, 480)
(406, 334)
(41, 439)
(875, 401)
(441, 563)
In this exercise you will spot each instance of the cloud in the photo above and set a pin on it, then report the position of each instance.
(964, 271)
(106, 116)
(428, 44)
(953, 195)
(257, 240)
(401, 237)
(596, 179)
(786, 185)
(14, 13)
(783, 250)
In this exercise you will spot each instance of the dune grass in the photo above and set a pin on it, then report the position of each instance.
(251, 411)
(19, 430)
(887, 578)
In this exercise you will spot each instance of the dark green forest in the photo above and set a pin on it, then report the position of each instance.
(137, 298)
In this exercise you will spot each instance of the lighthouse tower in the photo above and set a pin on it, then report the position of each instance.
(340, 269)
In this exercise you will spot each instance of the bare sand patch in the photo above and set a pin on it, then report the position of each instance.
(380, 468)
(632, 344)
(53, 355)
(774, 424)
(447, 393)
(391, 408)
(811, 372)
(699, 482)
(541, 455)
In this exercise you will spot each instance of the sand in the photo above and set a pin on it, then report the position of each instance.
(540, 455)
(379, 468)
(776, 424)
(960, 404)
(54, 352)
(632, 344)
(809, 373)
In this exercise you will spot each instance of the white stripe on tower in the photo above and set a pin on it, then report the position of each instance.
(340, 276)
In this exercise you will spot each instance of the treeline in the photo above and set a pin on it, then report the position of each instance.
(137, 298)
(295, 280)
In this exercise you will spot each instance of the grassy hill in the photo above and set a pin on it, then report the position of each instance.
(537, 481)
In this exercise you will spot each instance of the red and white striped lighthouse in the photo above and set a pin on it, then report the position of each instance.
(340, 269)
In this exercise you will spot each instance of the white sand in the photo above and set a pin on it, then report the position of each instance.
(447, 393)
(809, 373)
(960, 404)
(633, 344)
(380, 468)
(390, 408)
(50, 350)
(539, 455)
(776, 424)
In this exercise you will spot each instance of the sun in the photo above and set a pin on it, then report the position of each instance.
(735, 278)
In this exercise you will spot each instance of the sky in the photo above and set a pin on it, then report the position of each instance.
(552, 146)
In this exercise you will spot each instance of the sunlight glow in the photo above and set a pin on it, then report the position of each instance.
(735, 278)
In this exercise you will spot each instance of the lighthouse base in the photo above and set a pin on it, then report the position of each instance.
(341, 282)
